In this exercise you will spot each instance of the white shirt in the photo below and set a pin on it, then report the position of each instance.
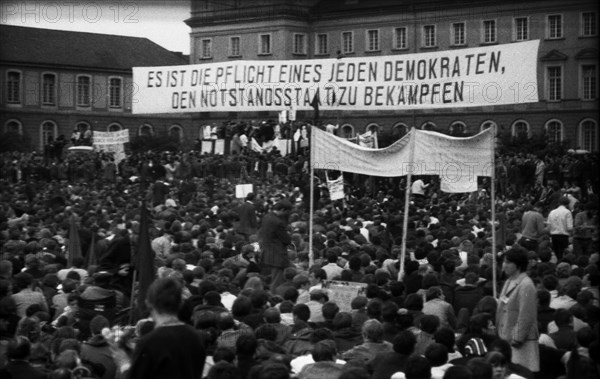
(418, 187)
(560, 221)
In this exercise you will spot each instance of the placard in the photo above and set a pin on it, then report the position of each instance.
(342, 293)
(242, 190)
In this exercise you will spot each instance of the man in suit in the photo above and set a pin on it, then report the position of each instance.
(273, 238)
(247, 213)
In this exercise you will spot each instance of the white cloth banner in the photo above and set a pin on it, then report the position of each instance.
(458, 161)
(336, 188)
(111, 142)
(480, 76)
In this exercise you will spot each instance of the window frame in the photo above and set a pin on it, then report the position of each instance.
(549, 27)
(78, 87)
(560, 131)
(453, 125)
(582, 79)
(483, 124)
(513, 128)
(304, 46)
(43, 135)
(582, 22)
(13, 120)
(484, 31)
(142, 126)
(343, 42)
(580, 134)
(516, 28)
(203, 56)
(261, 50)
(318, 50)
(239, 47)
(377, 33)
(425, 35)
(548, 83)
(110, 93)
(395, 38)
(19, 101)
(53, 93)
(453, 33)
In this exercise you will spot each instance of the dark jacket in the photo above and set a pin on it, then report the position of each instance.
(248, 222)
(274, 238)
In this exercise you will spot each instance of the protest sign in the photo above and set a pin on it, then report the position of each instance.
(342, 293)
(242, 190)
(481, 76)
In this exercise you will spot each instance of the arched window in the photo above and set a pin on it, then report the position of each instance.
(145, 130)
(520, 130)
(82, 126)
(347, 131)
(114, 127)
(176, 131)
(372, 127)
(48, 132)
(588, 135)
(458, 128)
(13, 126)
(554, 131)
(399, 130)
(486, 125)
(428, 125)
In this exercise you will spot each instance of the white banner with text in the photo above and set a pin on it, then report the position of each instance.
(487, 75)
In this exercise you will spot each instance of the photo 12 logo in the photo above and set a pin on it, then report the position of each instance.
(68, 11)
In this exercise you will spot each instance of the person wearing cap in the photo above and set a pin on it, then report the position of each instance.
(274, 238)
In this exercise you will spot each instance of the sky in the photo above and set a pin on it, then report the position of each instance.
(161, 21)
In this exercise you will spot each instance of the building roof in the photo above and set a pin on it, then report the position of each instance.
(46, 47)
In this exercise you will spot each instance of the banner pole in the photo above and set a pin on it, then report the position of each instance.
(407, 203)
(311, 258)
(493, 199)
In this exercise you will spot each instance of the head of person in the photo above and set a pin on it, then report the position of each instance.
(165, 296)
(417, 367)
(515, 261)
(480, 369)
(324, 350)
(404, 342)
(499, 364)
(372, 330)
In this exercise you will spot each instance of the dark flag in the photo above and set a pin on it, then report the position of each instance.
(91, 257)
(74, 248)
(315, 104)
(144, 261)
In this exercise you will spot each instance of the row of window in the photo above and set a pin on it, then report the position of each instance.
(458, 36)
(554, 129)
(49, 129)
(85, 90)
(85, 93)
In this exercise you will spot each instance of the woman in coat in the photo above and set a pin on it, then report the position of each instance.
(516, 316)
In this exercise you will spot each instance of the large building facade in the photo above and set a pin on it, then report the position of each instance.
(54, 82)
(567, 72)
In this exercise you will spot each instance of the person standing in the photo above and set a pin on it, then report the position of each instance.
(532, 227)
(516, 316)
(173, 349)
(273, 238)
(560, 226)
(247, 213)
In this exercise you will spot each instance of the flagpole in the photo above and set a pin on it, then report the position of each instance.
(131, 300)
(407, 203)
(493, 199)
(311, 258)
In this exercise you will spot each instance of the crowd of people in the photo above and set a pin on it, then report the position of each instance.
(239, 293)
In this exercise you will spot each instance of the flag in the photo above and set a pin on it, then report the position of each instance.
(91, 258)
(144, 261)
(74, 247)
(315, 104)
